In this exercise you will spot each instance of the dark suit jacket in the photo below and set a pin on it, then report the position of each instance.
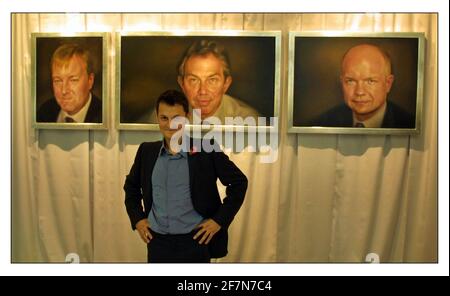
(204, 169)
(49, 111)
(341, 116)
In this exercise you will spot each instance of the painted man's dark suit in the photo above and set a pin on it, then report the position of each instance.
(341, 116)
(204, 169)
(49, 111)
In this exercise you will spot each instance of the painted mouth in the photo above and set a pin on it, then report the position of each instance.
(361, 102)
(203, 103)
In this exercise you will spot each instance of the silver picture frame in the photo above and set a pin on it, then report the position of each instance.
(314, 73)
(43, 45)
(146, 66)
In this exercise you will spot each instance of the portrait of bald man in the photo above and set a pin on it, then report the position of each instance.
(366, 80)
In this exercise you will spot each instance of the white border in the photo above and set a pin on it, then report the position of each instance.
(6, 7)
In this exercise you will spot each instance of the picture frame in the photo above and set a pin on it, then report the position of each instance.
(48, 110)
(316, 101)
(146, 64)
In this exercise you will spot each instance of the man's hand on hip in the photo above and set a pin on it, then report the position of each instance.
(207, 230)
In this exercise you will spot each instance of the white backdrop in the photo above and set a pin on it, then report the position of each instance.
(329, 198)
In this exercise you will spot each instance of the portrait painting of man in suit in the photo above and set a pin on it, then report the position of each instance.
(356, 82)
(222, 76)
(69, 91)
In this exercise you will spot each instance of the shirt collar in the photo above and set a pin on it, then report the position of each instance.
(375, 121)
(164, 151)
(78, 117)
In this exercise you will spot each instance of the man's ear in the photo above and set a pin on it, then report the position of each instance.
(180, 81)
(91, 79)
(389, 82)
(227, 83)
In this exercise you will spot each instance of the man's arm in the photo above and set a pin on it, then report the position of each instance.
(236, 186)
(133, 191)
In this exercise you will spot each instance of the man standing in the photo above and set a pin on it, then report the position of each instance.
(183, 218)
(366, 80)
(72, 81)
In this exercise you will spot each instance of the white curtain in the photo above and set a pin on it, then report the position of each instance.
(328, 198)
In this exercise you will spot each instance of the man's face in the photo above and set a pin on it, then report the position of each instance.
(71, 84)
(166, 114)
(365, 81)
(204, 83)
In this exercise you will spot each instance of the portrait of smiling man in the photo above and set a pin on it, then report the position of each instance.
(204, 75)
(223, 77)
(72, 77)
(366, 79)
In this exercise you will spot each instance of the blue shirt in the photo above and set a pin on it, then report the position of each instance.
(172, 210)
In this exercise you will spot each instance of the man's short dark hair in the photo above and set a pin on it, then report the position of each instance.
(173, 97)
(203, 48)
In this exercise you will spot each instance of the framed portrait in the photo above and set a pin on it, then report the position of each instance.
(69, 75)
(248, 75)
(355, 83)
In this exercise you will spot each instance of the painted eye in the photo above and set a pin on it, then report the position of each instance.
(350, 82)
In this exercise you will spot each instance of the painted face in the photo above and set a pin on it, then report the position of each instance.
(166, 114)
(71, 84)
(204, 83)
(365, 81)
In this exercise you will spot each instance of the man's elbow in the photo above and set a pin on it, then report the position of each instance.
(245, 182)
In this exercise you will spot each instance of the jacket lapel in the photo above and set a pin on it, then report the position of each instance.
(192, 163)
(194, 149)
(149, 163)
(388, 120)
(151, 160)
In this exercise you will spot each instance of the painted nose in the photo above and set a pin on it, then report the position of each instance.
(202, 89)
(360, 89)
(65, 87)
